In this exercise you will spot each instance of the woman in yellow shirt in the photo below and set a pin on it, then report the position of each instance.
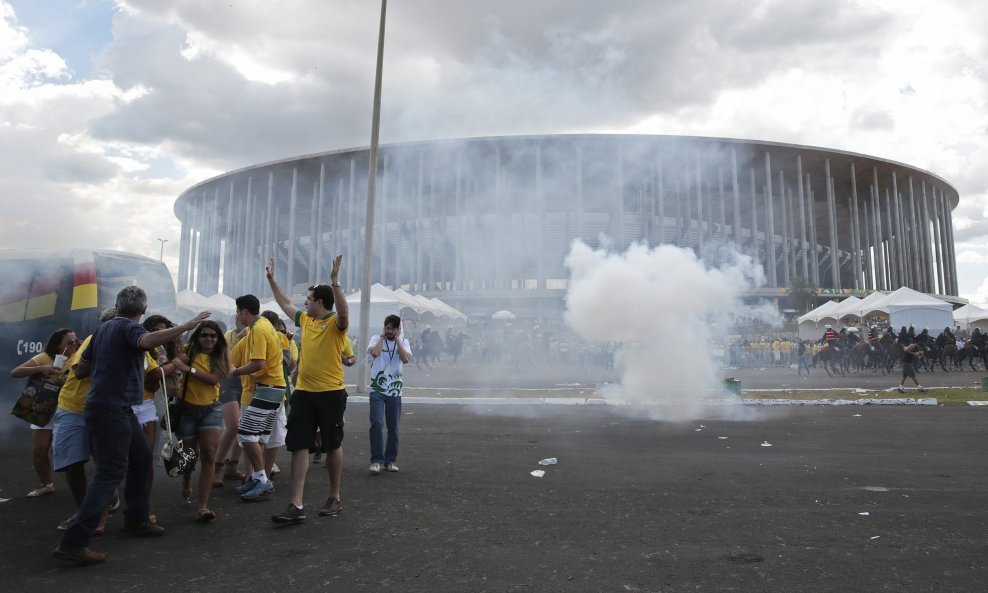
(61, 346)
(205, 363)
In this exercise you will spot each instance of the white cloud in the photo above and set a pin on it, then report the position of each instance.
(187, 89)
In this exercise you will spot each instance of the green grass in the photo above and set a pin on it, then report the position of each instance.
(953, 396)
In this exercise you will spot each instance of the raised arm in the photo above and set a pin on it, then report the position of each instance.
(342, 308)
(279, 295)
(152, 340)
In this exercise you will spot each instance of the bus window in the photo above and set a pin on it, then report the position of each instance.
(114, 272)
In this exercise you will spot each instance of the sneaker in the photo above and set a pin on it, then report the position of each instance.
(921, 388)
(246, 486)
(42, 490)
(317, 457)
(114, 503)
(81, 556)
(291, 514)
(333, 507)
(145, 529)
(275, 470)
(259, 490)
(375, 468)
(901, 389)
(390, 467)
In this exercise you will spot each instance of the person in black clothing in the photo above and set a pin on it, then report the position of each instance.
(908, 370)
(904, 338)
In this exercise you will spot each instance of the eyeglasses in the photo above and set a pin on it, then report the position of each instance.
(208, 336)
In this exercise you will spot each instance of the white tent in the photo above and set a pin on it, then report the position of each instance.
(964, 315)
(272, 305)
(221, 303)
(848, 306)
(865, 304)
(907, 307)
(824, 311)
(192, 301)
(383, 302)
(447, 310)
(408, 301)
(811, 325)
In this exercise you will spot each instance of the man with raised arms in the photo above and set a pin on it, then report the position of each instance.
(320, 395)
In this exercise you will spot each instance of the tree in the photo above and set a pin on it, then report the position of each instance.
(801, 294)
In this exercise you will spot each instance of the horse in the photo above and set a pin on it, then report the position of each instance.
(862, 355)
(833, 360)
(968, 352)
(893, 354)
(454, 346)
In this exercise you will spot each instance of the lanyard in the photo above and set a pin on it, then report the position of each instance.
(391, 352)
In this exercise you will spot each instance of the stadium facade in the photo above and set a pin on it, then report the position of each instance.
(485, 223)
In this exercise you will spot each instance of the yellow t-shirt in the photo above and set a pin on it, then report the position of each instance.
(262, 343)
(347, 348)
(198, 393)
(323, 343)
(72, 397)
(150, 365)
(246, 381)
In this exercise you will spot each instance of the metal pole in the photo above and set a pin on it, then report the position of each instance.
(162, 256)
(365, 278)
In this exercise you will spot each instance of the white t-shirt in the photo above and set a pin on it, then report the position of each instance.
(385, 370)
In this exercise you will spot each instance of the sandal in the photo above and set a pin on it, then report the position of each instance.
(64, 525)
(205, 515)
(102, 523)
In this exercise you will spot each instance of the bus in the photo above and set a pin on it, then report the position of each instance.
(44, 290)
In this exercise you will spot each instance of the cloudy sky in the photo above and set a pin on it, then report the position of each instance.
(111, 108)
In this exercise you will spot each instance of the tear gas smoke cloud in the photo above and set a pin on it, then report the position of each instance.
(660, 305)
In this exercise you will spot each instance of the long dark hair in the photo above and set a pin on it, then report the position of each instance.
(51, 348)
(171, 348)
(219, 358)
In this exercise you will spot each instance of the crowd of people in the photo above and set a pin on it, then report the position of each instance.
(226, 394)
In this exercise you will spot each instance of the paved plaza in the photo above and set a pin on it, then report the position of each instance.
(747, 499)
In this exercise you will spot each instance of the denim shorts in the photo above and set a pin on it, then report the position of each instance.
(196, 418)
(70, 442)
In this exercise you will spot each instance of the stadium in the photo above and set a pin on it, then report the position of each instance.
(485, 223)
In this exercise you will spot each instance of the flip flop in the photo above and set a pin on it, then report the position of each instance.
(205, 515)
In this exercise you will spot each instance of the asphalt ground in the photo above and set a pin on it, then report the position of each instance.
(631, 505)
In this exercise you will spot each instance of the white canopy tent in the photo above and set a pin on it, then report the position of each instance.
(907, 307)
(963, 316)
(865, 304)
(824, 311)
(222, 303)
(383, 302)
(847, 308)
(447, 310)
(192, 301)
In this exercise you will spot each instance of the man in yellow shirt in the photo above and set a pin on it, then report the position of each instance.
(320, 396)
(262, 350)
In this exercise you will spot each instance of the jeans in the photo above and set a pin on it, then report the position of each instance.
(119, 449)
(387, 409)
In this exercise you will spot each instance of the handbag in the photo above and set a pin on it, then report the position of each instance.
(178, 459)
(37, 403)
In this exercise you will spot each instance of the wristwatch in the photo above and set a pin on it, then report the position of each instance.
(335, 285)
(192, 370)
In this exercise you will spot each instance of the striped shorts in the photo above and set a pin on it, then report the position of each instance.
(257, 421)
